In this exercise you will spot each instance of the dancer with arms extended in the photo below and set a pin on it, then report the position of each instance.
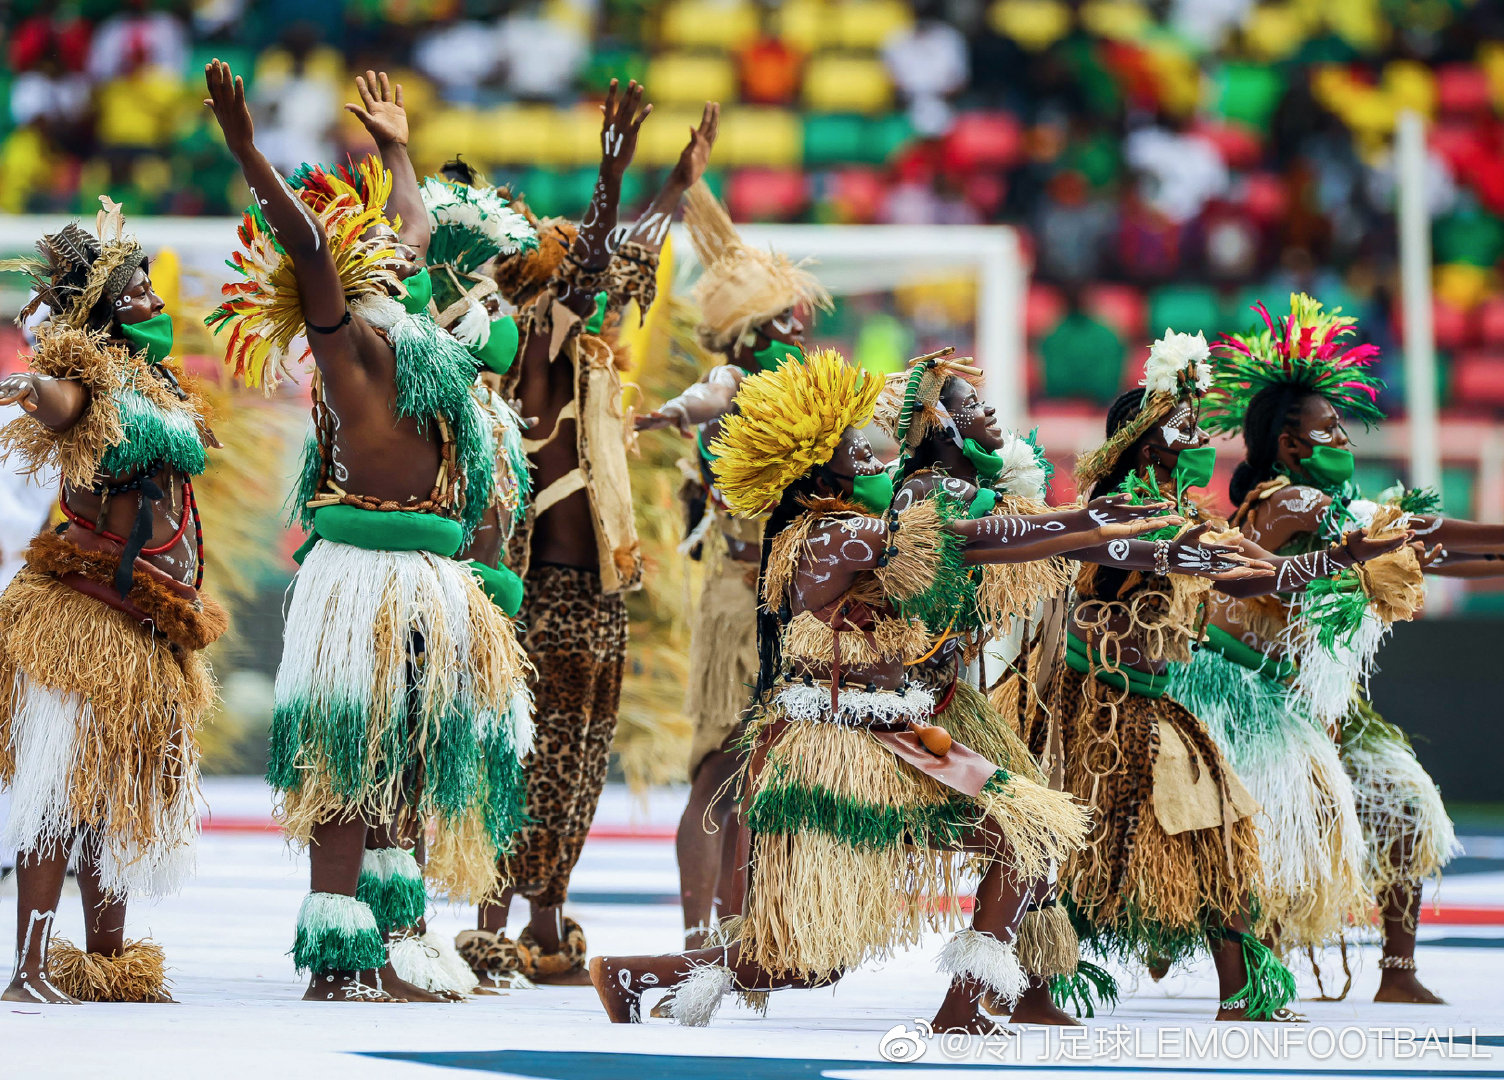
(849, 792)
(101, 632)
(401, 696)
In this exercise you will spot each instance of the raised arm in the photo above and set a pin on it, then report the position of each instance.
(1186, 554)
(1292, 573)
(651, 228)
(55, 403)
(591, 250)
(323, 298)
(385, 118)
(704, 401)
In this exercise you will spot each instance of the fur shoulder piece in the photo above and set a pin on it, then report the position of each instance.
(89, 358)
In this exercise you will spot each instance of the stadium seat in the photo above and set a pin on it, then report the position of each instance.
(1452, 326)
(833, 139)
(1120, 306)
(690, 79)
(519, 134)
(766, 194)
(708, 24)
(1461, 89)
(1185, 308)
(983, 140)
(1121, 20)
(753, 136)
(662, 139)
(1410, 85)
(836, 82)
(1237, 145)
(805, 24)
(1491, 322)
(1033, 24)
(1248, 93)
(1478, 379)
(868, 24)
(857, 195)
(1044, 307)
(1264, 196)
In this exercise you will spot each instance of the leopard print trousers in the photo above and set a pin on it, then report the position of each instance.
(577, 641)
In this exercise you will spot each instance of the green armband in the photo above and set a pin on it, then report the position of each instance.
(984, 503)
(499, 583)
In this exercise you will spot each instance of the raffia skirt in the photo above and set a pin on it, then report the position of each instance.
(722, 658)
(855, 851)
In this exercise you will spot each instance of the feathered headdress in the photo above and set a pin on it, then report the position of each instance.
(1178, 369)
(470, 225)
(788, 422)
(909, 407)
(1310, 349)
(79, 277)
(263, 311)
(740, 287)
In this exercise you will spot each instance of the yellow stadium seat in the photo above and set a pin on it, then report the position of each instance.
(689, 79)
(1360, 23)
(1491, 60)
(1034, 24)
(834, 82)
(867, 24)
(805, 24)
(439, 135)
(1274, 31)
(1122, 20)
(518, 135)
(1462, 286)
(1412, 85)
(768, 137)
(709, 24)
(663, 137)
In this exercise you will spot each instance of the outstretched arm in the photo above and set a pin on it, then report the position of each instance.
(1457, 535)
(1004, 538)
(384, 116)
(322, 296)
(1186, 554)
(55, 403)
(651, 228)
(591, 250)
(704, 401)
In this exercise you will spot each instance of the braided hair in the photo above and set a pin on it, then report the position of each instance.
(1120, 412)
(1272, 409)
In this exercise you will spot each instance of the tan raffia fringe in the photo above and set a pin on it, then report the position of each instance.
(138, 973)
(1047, 944)
(722, 658)
(1130, 864)
(792, 544)
(915, 546)
(807, 638)
(136, 744)
(974, 722)
(1393, 583)
(187, 625)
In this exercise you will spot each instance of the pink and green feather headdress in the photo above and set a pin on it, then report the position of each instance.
(1310, 348)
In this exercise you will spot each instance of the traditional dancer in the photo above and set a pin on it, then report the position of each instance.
(1287, 389)
(401, 696)
(101, 632)
(849, 791)
(748, 303)
(1174, 860)
(577, 549)
(951, 447)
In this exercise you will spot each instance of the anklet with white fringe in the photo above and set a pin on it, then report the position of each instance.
(695, 1001)
(430, 962)
(972, 954)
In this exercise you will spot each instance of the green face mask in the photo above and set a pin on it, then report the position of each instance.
(987, 462)
(1328, 466)
(419, 292)
(500, 349)
(875, 492)
(152, 336)
(1194, 467)
(776, 353)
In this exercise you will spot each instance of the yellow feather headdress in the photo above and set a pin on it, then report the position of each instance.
(263, 310)
(788, 422)
(740, 286)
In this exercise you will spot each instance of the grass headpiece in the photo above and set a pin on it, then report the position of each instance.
(1310, 349)
(1178, 370)
(787, 422)
(470, 226)
(740, 287)
(263, 310)
(79, 277)
(909, 408)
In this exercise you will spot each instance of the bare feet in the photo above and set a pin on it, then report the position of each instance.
(1401, 986)
(975, 1024)
(345, 986)
(1281, 1016)
(619, 994)
(1036, 1006)
(402, 990)
(36, 990)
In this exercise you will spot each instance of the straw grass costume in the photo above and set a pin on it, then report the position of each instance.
(1311, 653)
(1173, 854)
(844, 802)
(102, 679)
(402, 692)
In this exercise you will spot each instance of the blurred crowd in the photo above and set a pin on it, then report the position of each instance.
(1168, 161)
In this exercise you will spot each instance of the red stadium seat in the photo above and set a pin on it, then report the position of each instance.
(858, 194)
(1461, 88)
(1478, 380)
(1238, 146)
(1454, 328)
(766, 194)
(1264, 196)
(1043, 309)
(1120, 306)
(983, 140)
(1491, 321)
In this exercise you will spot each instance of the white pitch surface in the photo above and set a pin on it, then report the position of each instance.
(227, 936)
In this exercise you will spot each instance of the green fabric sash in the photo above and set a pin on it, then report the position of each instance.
(1246, 655)
(1081, 657)
(499, 583)
(983, 504)
(383, 530)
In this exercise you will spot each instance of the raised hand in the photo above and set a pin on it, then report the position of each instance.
(1361, 547)
(380, 109)
(1116, 509)
(669, 416)
(227, 99)
(620, 123)
(22, 388)
(1189, 554)
(696, 155)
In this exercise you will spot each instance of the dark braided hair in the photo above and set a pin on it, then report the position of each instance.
(1270, 411)
(771, 619)
(1120, 412)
